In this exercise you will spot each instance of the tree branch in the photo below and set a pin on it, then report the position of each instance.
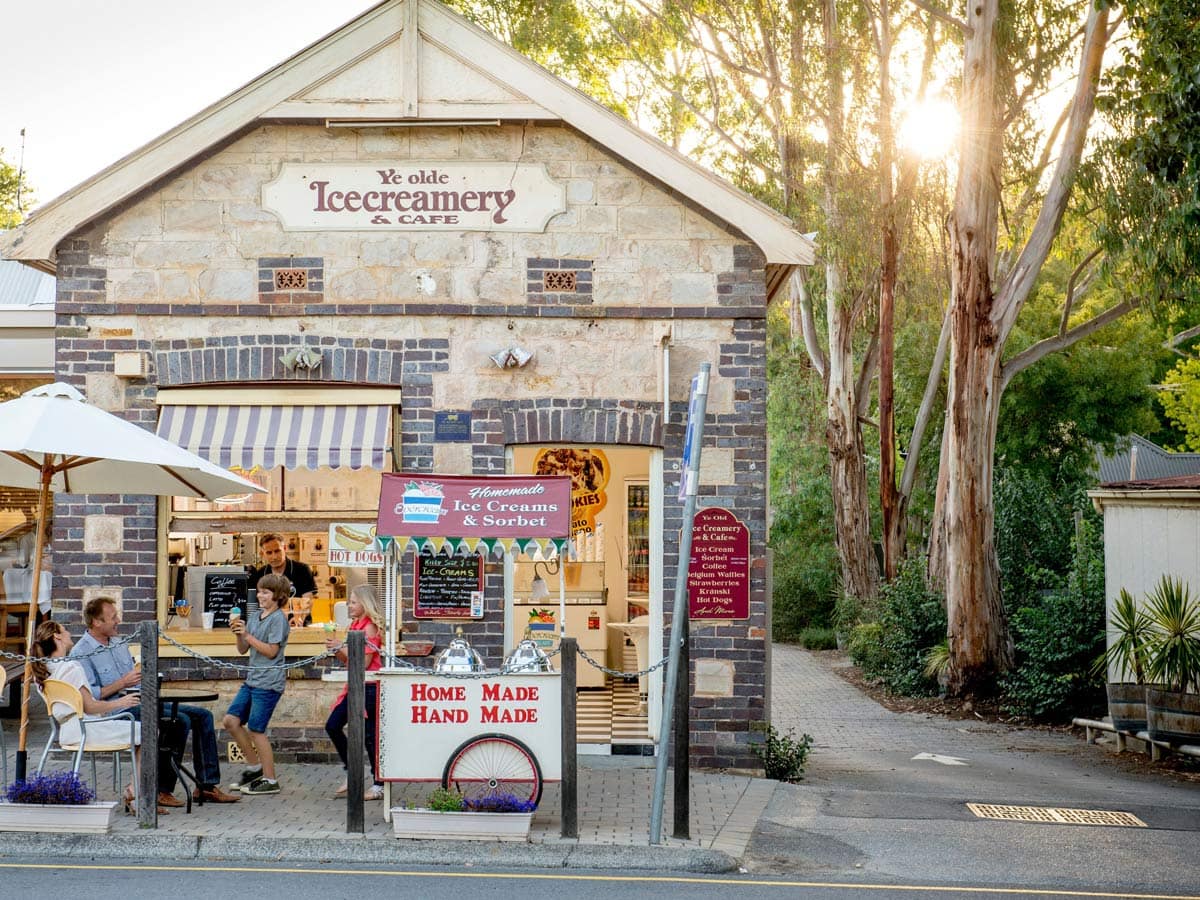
(1046, 346)
(1069, 301)
(808, 324)
(862, 387)
(1019, 282)
(1172, 343)
(943, 16)
(908, 476)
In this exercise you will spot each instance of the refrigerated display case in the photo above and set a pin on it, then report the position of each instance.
(637, 536)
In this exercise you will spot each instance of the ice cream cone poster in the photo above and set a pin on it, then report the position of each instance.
(589, 473)
(352, 545)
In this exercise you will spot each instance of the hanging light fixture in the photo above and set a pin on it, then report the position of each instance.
(537, 588)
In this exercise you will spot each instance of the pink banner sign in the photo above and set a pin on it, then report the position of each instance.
(465, 506)
(719, 577)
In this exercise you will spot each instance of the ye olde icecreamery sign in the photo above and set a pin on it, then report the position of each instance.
(501, 506)
(414, 195)
(719, 577)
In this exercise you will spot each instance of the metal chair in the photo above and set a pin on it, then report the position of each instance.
(55, 691)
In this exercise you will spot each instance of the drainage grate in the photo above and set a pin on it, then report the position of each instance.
(1056, 815)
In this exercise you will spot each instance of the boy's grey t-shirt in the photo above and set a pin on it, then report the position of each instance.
(274, 629)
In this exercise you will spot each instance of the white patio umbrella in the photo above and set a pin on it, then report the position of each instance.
(51, 439)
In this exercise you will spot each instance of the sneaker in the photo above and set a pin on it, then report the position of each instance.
(248, 777)
(261, 786)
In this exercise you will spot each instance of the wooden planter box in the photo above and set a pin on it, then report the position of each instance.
(89, 818)
(460, 826)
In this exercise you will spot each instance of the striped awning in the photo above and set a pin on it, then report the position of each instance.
(295, 437)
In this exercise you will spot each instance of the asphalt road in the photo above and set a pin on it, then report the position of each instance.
(266, 882)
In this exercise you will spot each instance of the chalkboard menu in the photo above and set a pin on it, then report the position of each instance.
(222, 592)
(448, 587)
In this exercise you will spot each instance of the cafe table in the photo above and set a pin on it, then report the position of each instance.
(170, 695)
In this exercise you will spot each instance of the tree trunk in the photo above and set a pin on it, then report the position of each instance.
(980, 647)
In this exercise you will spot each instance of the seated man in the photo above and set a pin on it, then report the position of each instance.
(112, 673)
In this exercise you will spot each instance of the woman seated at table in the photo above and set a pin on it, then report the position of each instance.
(51, 644)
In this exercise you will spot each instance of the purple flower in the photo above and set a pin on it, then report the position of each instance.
(56, 789)
(499, 803)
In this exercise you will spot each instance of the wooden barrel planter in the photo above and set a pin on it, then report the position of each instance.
(1171, 717)
(1127, 706)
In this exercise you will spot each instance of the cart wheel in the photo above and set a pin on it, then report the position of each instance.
(494, 764)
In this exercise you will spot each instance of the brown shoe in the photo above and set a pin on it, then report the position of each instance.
(163, 811)
(214, 795)
(165, 799)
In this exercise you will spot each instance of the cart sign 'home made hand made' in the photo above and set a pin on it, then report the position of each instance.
(463, 506)
(428, 195)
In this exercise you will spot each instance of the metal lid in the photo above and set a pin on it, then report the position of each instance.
(527, 657)
(459, 657)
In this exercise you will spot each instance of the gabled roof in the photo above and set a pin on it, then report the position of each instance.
(1140, 460)
(405, 60)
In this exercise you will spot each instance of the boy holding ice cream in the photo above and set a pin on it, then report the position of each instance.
(250, 712)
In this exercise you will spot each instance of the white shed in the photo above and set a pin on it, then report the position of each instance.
(1151, 529)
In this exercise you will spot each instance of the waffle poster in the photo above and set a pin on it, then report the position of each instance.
(589, 471)
(719, 576)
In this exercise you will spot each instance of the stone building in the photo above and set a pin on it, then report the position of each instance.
(419, 251)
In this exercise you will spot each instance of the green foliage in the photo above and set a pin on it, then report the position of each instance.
(12, 186)
(1181, 401)
(1147, 173)
(783, 757)
(818, 639)
(442, 800)
(937, 662)
(1128, 652)
(1174, 647)
(907, 622)
(1057, 635)
(1034, 531)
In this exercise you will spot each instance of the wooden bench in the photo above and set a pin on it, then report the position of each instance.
(1092, 728)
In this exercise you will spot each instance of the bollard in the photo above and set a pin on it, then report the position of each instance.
(148, 780)
(570, 758)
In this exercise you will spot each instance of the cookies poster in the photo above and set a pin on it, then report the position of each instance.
(589, 473)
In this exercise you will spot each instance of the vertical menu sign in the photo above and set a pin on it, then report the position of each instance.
(719, 577)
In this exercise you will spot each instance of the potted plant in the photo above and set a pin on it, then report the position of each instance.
(1173, 664)
(1127, 656)
(449, 815)
(56, 802)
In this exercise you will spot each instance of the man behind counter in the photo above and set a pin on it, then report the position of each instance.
(304, 586)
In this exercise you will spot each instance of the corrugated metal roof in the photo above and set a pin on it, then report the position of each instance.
(1153, 462)
(1176, 483)
(22, 286)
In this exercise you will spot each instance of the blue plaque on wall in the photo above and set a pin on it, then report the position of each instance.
(452, 427)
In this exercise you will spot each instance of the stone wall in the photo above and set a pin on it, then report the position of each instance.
(185, 274)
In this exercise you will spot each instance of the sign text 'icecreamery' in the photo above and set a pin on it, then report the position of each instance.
(438, 195)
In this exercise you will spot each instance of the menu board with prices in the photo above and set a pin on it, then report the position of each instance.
(448, 587)
(719, 576)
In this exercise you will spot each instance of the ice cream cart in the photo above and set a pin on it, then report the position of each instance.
(477, 731)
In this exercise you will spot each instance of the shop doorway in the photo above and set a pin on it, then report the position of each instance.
(614, 605)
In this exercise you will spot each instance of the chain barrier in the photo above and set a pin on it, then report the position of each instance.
(115, 642)
(238, 667)
(627, 675)
(395, 661)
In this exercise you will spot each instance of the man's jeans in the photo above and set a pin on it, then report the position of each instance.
(204, 743)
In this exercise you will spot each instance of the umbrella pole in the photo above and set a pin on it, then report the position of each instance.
(31, 624)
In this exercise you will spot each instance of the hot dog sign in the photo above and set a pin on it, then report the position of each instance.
(352, 545)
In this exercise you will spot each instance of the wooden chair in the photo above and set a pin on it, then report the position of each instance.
(55, 691)
(13, 619)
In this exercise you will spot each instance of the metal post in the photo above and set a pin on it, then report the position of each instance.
(356, 648)
(683, 739)
(689, 478)
(570, 757)
(148, 780)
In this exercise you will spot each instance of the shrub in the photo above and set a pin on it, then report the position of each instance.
(818, 639)
(442, 800)
(58, 788)
(783, 757)
(803, 591)
(1057, 636)
(866, 648)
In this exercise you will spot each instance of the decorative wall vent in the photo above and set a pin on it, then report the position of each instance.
(291, 279)
(559, 282)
